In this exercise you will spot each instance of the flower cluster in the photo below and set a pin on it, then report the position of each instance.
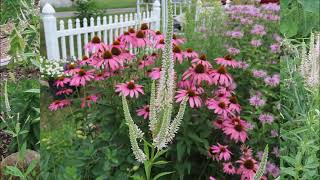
(251, 36)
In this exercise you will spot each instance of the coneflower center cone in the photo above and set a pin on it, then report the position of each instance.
(222, 105)
(189, 50)
(82, 72)
(115, 51)
(203, 57)
(176, 49)
(107, 55)
(191, 93)
(248, 164)
(222, 70)
(140, 34)
(96, 40)
(199, 69)
(144, 26)
(131, 85)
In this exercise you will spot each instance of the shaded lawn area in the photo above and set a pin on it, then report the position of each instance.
(106, 4)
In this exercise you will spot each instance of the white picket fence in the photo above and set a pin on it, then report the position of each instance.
(64, 41)
(108, 29)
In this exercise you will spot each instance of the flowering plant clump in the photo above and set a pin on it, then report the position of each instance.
(231, 93)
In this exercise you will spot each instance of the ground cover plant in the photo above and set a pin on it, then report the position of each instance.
(229, 95)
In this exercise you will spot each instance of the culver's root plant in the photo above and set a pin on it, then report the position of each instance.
(161, 125)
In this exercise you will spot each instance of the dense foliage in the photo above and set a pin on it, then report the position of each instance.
(95, 140)
(299, 17)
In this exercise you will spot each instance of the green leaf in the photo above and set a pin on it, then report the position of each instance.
(22, 151)
(181, 148)
(31, 166)
(263, 163)
(146, 149)
(14, 171)
(37, 91)
(159, 153)
(161, 162)
(162, 174)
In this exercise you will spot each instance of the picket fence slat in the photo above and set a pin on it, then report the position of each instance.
(71, 42)
(79, 42)
(63, 41)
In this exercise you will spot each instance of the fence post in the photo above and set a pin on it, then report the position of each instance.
(156, 10)
(50, 31)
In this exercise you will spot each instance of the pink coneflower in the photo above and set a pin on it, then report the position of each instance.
(192, 95)
(144, 111)
(233, 51)
(202, 60)
(197, 73)
(126, 38)
(223, 92)
(221, 151)
(236, 129)
(109, 61)
(248, 168)
(61, 81)
(257, 101)
(212, 178)
(129, 88)
(259, 73)
(218, 122)
(158, 36)
(176, 40)
(266, 118)
(59, 104)
(85, 60)
(221, 77)
(185, 84)
(141, 40)
(64, 91)
(234, 104)
(227, 61)
(81, 77)
(246, 151)
(189, 53)
(274, 133)
(228, 168)
(272, 81)
(99, 76)
(177, 54)
(275, 48)
(160, 44)
(258, 30)
(95, 45)
(256, 43)
(220, 107)
(87, 101)
(145, 28)
(145, 62)
(155, 73)
(71, 69)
